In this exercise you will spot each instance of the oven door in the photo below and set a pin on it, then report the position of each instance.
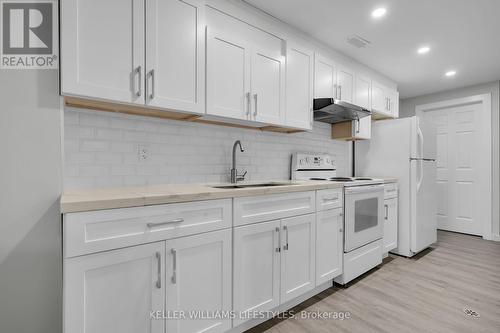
(364, 219)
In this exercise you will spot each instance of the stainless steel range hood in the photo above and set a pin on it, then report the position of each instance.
(329, 110)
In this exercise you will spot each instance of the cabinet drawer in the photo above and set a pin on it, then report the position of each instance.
(271, 207)
(95, 231)
(390, 190)
(329, 199)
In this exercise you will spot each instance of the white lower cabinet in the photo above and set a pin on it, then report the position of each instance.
(115, 291)
(329, 245)
(256, 268)
(198, 281)
(298, 256)
(274, 262)
(390, 224)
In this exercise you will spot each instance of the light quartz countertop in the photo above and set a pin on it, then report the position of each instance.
(390, 180)
(122, 197)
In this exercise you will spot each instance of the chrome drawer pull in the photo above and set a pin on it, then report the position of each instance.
(152, 225)
(174, 264)
(326, 199)
(386, 211)
(158, 281)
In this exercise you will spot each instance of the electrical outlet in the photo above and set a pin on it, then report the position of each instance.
(143, 153)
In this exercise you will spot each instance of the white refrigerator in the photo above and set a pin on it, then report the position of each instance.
(405, 148)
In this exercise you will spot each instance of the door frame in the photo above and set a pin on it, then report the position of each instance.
(486, 141)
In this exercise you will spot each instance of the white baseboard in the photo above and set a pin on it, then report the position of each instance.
(495, 237)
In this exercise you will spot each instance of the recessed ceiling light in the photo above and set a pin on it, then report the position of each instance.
(379, 12)
(423, 50)
(450, 73)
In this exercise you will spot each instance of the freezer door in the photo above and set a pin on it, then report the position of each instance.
(423, 204)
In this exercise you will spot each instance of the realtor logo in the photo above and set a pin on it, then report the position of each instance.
(28, 34)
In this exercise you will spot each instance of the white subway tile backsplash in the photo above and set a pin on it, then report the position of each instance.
(101, 150)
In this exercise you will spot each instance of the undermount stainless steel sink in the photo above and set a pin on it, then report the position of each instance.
(269, 184)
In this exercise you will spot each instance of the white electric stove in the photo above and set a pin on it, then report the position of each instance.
(363, 212)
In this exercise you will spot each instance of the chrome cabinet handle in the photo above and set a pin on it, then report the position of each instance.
(386, 211)
(152, 75)
(358, 126)
(152, 225)
(138, 72)
(248, 103)
(278, 248)
(174, 265)
(255, 102)
(158, 280)
(285, 247)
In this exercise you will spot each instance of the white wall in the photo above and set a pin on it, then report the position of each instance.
(407, 109)
(101, 149)
(30, 185)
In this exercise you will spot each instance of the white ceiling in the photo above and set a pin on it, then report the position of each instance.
(463, 35)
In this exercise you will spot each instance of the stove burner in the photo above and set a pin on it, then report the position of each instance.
(318, 179)
(361, 178)
(341, 179)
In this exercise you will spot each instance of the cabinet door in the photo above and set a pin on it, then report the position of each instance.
(298, 256)
(325, 82)
(363, 92)
(268, 88)
(228, 75)
(102, 49)
(379, 98)
(345, 84)
(199, 279)
(390, 224)
(115, 291)
(363, 129)
(175, 52)
(299, 82)
(256, 269)
(393, 102)
(329, 244)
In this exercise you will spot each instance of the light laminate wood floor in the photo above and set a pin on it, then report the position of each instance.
(427, 293)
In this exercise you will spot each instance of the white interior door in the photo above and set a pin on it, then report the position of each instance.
(461, 180)
(175, 51)
(199, 279)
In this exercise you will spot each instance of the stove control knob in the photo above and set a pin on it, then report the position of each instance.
(301, 161)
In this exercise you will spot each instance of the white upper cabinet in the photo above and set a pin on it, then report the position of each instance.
(299, 86)
(228, 75)
(345, 84)
(115, 291)
(175, 54)
(325, 79)
(198, 279)
(268, 87)
(363, 96)
(385, 102)
(102, 49)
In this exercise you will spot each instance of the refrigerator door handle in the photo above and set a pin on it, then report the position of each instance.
(420, 161)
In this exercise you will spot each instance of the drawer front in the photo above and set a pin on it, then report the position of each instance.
(89, 232)
(390, 190)
(271, 207)
(329, 199)
(360, 261)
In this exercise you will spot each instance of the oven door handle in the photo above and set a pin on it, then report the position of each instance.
(364, 189)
